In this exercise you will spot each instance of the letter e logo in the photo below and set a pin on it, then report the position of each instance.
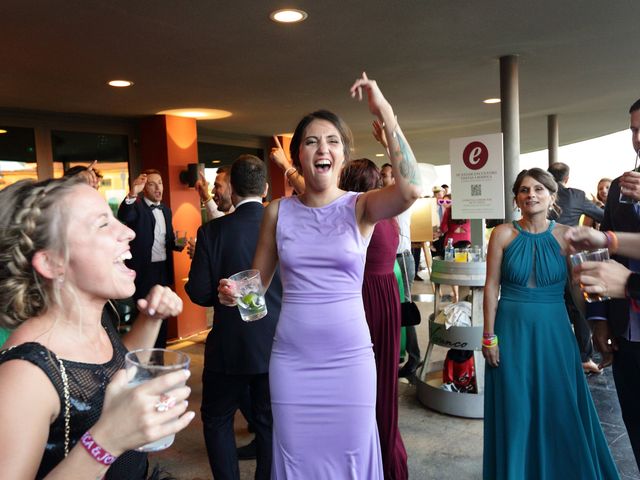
(475, 155)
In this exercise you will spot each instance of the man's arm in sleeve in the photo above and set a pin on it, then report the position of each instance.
(203, 273)
(592, 210)
(127, 212)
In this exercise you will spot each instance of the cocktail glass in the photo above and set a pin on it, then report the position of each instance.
(249, 295)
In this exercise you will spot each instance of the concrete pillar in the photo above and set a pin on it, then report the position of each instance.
(169, 144)
(510, 119)
(553, 137)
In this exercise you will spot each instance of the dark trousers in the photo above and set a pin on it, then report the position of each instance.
(157, 274)
(412, 347)
(580, 326)
(221, 397)
(626, 374)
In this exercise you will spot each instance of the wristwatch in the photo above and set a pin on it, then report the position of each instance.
(633, 286)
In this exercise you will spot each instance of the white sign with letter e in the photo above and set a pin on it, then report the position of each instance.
(477, 177)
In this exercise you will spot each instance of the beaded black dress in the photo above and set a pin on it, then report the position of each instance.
(86, 388)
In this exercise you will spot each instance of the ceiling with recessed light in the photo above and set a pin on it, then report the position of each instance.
(435, 61)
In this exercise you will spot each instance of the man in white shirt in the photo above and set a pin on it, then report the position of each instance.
(151, 249)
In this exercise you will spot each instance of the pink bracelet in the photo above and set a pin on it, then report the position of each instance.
(95, 450)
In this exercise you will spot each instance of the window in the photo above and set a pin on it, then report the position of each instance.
(17, 154)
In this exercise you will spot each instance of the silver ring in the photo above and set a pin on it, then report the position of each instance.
(165, 403)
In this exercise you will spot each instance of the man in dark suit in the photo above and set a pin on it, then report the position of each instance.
(237, 352)
(151, 250)
(618, 339)
(573, 204)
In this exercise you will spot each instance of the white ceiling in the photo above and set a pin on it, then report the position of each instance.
(435, 60)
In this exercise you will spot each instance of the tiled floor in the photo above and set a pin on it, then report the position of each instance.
(438, 446)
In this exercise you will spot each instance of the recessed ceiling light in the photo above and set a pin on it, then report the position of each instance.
(288, 15)
(379, 154)
(491, 100)
(120, 83)
(2, 130)
(197, 113)
(216, 161)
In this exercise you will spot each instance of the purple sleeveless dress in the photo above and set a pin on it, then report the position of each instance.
(322, 371)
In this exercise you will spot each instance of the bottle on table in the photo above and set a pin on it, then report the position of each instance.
(449, 251)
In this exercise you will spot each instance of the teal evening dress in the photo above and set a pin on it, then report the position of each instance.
(539, 419)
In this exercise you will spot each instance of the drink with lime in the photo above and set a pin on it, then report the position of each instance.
(249, 295)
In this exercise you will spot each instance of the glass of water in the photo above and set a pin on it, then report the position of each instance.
(249, 295)
(146, 364)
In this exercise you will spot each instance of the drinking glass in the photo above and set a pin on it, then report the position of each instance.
(181, 239)
(599, 255)
(624, 198)
(476, 254)
(249, 295)
(146, 364)
(461, 255)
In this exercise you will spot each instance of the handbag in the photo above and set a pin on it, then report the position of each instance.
(409, 312)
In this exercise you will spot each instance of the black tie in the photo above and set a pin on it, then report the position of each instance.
(153, 205)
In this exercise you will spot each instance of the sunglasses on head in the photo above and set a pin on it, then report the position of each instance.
(444, 201)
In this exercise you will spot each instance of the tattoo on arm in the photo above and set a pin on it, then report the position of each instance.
(407, 162)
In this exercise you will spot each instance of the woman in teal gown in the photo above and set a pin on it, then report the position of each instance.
(539, 419)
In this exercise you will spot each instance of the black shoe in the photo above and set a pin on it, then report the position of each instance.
(408, 370)
(418, 278)
(248, 452)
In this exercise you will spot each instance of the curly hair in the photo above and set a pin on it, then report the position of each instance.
(33, 217)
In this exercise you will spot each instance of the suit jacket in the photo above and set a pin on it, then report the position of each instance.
(619, 217)
(225, 246)
(139, 218)
(574, 203)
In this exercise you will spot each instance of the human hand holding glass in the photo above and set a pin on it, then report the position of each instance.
(246, 287)
(145, 365)
(630, 184)
(181, 239)
(130, 415)
(592, 293)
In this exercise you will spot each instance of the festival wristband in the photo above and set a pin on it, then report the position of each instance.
(99, 454)
(490, 342)
(612, 241)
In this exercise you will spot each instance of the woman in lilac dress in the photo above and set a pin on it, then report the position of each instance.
(322, 371)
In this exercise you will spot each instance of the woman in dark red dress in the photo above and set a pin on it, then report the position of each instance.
(382, 308)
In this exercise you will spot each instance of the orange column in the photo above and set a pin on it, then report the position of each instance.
(169, 144)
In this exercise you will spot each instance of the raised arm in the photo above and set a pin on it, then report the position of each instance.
(396, 198)
(294, 177)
